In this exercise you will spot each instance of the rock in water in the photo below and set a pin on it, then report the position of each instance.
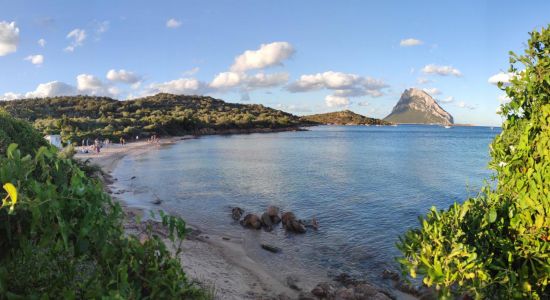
(236, 213)
(271, 248)
(416, 106)
(266, 222)
(273, 211)
(252, 221)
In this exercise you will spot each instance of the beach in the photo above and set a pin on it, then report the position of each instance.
(217, 262)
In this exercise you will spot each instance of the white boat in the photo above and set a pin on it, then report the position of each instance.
(447, 126)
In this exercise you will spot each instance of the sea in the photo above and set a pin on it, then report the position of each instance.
(366, 185)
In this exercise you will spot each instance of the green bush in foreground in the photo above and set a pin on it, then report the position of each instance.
(497, 245)
(18, 132)
(64, 238)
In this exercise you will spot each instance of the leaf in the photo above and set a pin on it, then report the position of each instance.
(492, 215)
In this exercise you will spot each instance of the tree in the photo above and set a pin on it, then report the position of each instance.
(497, 245)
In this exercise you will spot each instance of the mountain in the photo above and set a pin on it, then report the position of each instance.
(80, 117)
(345, 117)
(416, 106)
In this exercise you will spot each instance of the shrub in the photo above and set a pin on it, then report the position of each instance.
(497, 245)
(64, 238)
(20, 132)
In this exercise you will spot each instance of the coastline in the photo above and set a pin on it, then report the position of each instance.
(217, 262)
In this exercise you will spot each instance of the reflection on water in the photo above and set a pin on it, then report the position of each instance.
(365, 185)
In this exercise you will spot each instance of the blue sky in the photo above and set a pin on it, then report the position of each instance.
(299, 56)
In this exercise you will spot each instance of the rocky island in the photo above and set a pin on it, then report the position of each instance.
(345, 117)
(417, 107)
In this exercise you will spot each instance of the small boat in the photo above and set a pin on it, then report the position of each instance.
(447, 126)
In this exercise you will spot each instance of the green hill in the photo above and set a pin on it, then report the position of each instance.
(80, 117)
(345, 117)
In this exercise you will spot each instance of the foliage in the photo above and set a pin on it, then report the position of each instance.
(497, 245)
(19, 132)
(65, 238)
(343, 118)
(80, 117)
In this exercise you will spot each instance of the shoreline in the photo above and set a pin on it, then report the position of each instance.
(218, 262)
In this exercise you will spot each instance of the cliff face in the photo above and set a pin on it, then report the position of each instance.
(416, 106)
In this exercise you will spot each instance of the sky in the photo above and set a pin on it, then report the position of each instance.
(303, 57)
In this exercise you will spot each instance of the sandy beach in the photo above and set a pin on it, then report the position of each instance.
(216, 262)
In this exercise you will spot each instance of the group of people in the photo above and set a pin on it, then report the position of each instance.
(97, 145)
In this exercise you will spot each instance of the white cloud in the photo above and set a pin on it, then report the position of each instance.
(410, 42)
(42, 43)
(173, 23)
(262, 80)
(503, 99)
(226, 80)
(501, 77)
(191, 72)
(293, 108)
(91, 85)
(78, 36)
(52, 89)
(441, 70)
(447, 99)
(345, 84)
(268, 55)
(189, 86)
(35, 59)
(102, 27)
(363, 103)
(9, 38)
(432, 91)
(336, 101)
(10, 96)
(422, 80)
(463, 104)
(123, 76)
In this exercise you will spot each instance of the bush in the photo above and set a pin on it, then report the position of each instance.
(19, 132)
(65, 238)
(497, 245)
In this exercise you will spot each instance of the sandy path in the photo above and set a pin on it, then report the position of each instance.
(218, 262)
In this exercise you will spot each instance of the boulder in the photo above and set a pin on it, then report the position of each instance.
(290, 223)
(313, 223)
(266, 222)
(292, 282)
(273, 211)
(252, 221)
(297, 226)
(287, 217)
(344, 294)
(271, 248)
(323, 290)
(236, 213)
(275, 220)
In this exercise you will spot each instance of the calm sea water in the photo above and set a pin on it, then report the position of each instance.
(365, 185)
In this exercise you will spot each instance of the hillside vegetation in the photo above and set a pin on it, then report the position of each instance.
(497, 245)
(80, 117)
(345, 117)
(61, 235)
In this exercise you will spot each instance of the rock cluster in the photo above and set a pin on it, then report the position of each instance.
(272, 217)
(347, 288)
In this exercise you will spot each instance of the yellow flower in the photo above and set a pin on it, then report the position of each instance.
(12, 195)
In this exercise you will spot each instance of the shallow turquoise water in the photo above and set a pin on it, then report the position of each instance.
(365, 185)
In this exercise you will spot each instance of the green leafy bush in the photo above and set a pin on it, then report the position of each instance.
(497, 245)
(19, 132)
(65, 238)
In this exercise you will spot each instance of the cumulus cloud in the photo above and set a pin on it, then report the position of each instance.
(191, 72)
(501, 77)
(91, 85)
(410, 42)
(447, 99)
(432, 91)
(336, 101)
(123, 76)
(10, 96)
(173, 23)
(77, 37)
(363, 103)
(9, 38)
(344, 84)
(42, 43)
(226, 80)
(52, 89)
(268, 55)
(35, 59)
(503, 99)
(262, 80)
(441, 70)
(188, 86)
